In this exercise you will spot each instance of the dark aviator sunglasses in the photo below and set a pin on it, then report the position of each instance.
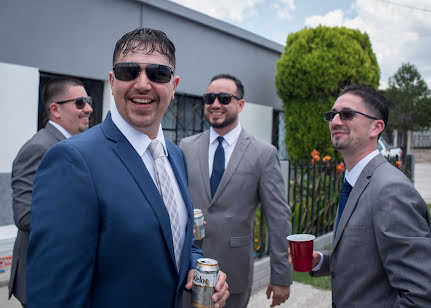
(128, 71)
(345, 115)
(223, 98)
(79, 102)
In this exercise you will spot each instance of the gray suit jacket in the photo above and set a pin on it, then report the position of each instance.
(23, 172)
(252, 175)
(381, 253)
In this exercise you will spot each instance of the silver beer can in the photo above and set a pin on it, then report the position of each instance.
(199, 224)
(205, 278)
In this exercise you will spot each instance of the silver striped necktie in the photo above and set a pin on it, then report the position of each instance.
(165, 188)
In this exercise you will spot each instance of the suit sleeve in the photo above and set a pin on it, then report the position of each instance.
(402, 226)
(272, 191)
(23, 172)
(64, 231)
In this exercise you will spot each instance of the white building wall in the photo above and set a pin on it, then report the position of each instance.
(257, 120)
(19, 96)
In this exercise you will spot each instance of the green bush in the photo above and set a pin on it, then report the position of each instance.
(316, 64)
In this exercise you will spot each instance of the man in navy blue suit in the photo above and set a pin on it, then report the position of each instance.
(109, 227)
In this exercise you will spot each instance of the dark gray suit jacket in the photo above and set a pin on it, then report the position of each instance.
(252, 176)
(381, 253)
(23, 172)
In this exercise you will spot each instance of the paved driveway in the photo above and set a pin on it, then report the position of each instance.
(423, 180)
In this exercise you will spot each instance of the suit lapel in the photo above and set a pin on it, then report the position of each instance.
(360, 185)
(133, 162)
(235, 159)
(203, 146)
(176, 162)
(54, 131)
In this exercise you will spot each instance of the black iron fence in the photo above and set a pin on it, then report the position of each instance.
(312, 192)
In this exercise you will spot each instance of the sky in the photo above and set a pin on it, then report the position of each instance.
(399, 30)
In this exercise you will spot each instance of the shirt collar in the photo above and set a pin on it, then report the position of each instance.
(61, 129)
(353, 175)
(139, 140)
(230, 137)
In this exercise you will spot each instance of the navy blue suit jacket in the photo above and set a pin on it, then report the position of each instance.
(100, 232)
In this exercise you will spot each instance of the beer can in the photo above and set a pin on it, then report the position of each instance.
(199, 224)
(205, 278)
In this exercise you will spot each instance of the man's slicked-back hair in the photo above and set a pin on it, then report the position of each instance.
(238, 83)
(56, 87)
(145, 40)
(373, 100)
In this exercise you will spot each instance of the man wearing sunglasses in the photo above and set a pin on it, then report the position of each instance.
(381, 249)
(65, 120)
(230, 173)
(116, 228)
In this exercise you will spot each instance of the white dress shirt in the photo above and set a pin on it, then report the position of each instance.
(228, 144)
(351, 176)
(140, 143)
(61, 129)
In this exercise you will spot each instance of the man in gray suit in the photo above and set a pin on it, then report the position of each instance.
(230, 173)
(381, 249)
(68, 108)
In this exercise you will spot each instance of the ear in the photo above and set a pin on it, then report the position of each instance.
(376, 128)
(175, 81)
(241, 103)
(111, 79)
(55, 111)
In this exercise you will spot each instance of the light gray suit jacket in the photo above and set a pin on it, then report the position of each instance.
(252, 175)
(381, 253)
(23, 171)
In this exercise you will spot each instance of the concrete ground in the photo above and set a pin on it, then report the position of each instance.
(423, 180)
(301, 296)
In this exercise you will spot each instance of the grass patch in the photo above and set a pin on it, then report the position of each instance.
(429, 207)
(318, 282)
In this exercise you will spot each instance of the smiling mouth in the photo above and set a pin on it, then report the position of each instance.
(141, 101)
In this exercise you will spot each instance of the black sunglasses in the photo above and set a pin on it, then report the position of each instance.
(345, 114)
(79, 102)
(128, 71)
(223, 98)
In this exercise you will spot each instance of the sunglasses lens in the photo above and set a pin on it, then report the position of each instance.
(158, 73)
(209, 98)
(127, 71)
(81, 101)
(346, 114)
(224, 98)
(329, 115)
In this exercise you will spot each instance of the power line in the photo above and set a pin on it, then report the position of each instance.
(404, 5)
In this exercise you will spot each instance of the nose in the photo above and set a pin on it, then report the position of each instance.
(336, 121)
(142, 81)
(87, 108)
(216, 103)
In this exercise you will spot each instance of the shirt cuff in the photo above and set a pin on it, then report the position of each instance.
(317, 267)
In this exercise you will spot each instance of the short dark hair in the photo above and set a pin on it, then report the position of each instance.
(55, 87)
(148, 40)
(238, 83)
(373, 100)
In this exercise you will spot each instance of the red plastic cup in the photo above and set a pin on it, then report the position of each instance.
(301, 250)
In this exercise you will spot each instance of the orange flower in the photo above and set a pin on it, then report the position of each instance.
(315, 154)
(340, 168)
(398, 163)
(326, 158)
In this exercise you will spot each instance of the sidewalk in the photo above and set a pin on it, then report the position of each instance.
(423, 180)
(301, 296)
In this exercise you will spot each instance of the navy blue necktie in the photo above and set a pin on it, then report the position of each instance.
(218, 166)
(342, 200)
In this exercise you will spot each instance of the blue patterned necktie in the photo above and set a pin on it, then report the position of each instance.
(218, 166)
(342, 200)
(165, 188)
